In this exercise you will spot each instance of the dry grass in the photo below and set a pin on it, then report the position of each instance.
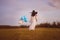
(25, 34)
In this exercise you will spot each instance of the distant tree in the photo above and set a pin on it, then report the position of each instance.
(54, 25)
(23, 26)
(58, 24)
(44, 25)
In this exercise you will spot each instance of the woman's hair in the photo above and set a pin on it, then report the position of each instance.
(33, 13)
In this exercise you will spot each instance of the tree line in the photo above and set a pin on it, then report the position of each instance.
(43, 25)
(46, 25)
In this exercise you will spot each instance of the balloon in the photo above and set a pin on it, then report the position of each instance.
(24, 18)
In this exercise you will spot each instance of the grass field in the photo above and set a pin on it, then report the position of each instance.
(25, 34)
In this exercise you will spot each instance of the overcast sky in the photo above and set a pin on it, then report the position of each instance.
(11, 10)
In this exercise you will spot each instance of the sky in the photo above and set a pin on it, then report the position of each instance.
(12, 10)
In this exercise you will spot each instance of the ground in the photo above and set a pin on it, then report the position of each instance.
(25, 34)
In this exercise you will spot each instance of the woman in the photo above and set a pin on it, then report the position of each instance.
(33, 20)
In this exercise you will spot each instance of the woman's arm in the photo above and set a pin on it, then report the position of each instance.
(36, 17)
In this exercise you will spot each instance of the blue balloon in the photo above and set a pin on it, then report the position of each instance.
(24, 18)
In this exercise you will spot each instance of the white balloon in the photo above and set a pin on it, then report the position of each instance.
(20, 22)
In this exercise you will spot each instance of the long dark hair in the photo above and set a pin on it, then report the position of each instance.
(33, 13)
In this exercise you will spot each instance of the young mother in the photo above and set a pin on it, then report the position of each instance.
(33, 20)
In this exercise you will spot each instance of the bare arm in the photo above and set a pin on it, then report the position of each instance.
(36, 17)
